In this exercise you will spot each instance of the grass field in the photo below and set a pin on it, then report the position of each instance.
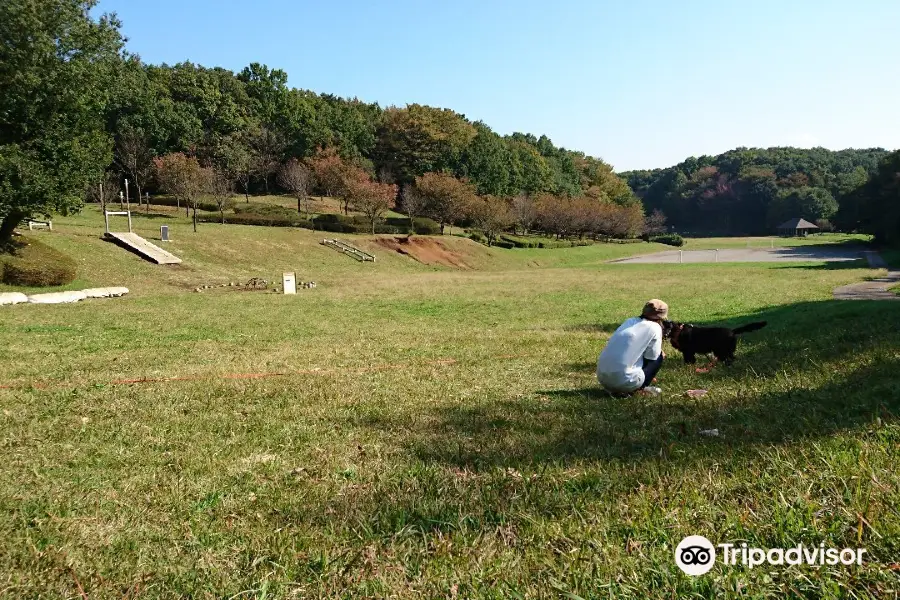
(407, 431)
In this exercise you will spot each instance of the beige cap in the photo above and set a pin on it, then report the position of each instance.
(655, 309)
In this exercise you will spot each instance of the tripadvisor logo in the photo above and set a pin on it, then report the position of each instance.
(696, 555)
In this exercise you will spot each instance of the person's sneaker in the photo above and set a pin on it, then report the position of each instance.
(651, 390)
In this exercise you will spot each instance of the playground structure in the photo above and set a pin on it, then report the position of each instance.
(349, 250)
(137, 244)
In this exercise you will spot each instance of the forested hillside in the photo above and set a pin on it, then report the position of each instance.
(751, 190)
(253, 115)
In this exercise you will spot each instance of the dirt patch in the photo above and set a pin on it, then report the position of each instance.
(426, 250)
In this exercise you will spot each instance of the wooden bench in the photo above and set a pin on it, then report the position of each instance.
(39, 224)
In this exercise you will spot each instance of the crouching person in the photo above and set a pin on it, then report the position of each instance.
(633, 355)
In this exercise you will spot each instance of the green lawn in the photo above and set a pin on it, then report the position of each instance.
(408, 431)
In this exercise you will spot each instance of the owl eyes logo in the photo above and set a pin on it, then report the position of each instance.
(695, 555)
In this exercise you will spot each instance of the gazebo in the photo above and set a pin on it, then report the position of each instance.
(798, 227)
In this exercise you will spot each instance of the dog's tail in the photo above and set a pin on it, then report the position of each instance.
(749, 327)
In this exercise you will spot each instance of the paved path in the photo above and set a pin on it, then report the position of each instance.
(875, 289)
(727, 255)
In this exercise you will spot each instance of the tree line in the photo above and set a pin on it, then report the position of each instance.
(75, 105)
(749, 191)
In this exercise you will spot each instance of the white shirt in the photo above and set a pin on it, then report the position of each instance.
(619, 367)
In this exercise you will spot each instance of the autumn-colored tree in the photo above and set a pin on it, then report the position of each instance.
(369, 197)
(183, 177)
(553, 214)
(330, 172)
(490, 214)
(620, 221)
(445, 196)
(295, 177)
(524, 211)
(655, 224)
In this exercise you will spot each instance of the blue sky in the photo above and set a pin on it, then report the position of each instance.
(639, 84)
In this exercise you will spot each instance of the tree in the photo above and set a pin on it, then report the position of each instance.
(241, 163)
(57, 75)
(491, 214)
(655, 224)
(330, 171)
(877, 203)
(295, 178)
(808, 203)
(268, 148)
(104, 191)
(445, 197)
(221, 186)
(183, 177)
(352, 184)
(134, 157)
(417, 139)
(524, 211)
(413, 203)
(371, 198)
(553, 214)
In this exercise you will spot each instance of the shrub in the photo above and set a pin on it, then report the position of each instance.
(422, 225)
(672, 239)
(498, 243)
(476, 236)
(35, 265)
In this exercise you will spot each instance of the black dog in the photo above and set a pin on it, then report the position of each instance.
(721, 342)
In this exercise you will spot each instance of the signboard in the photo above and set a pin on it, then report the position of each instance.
(164, 233)
(290, 283)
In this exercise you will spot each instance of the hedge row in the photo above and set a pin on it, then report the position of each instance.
(35, 265)
(271, 215)
(525, 242)
(169, 201)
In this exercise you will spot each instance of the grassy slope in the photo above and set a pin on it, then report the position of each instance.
(374, 465)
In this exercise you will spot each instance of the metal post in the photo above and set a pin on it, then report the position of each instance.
(106, 218)
(129, 220)
(127, 200)
(681, 256)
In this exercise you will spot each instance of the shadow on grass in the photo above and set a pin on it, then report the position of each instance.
(859, 263)
(778, 391)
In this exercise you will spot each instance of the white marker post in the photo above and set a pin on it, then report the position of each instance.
(717, 255)
(681, 256)
(289, 282)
